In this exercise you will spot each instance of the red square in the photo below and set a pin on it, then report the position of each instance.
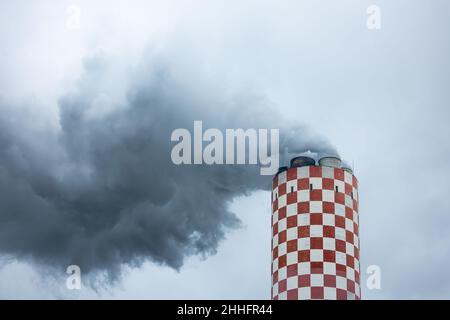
(292, 222)
(304, 281)
(340, 245)
(339, 222)
(329, 256)
(316, 219)
(292, 270)
(338, 174)
(303, 207)
(355, 182)
(304, 256)
(350, 261)
(316, 195)
(275, 277)
(291, 174)
(316, 243)
(357, 276)
(356, 252)
(316, 292)
(275, 229)
(303, 184)
(339, 198)
(292, 197)
(349, 213)
(275, 253)
(291, 245)
(282, 237)
(315, 171)
(275, 205)
(329, 281)
(349, 236)
(328, 231)
(355, 205)
(351, 286)
(292, 294)
(274, 182)
(341, 270)
(341, 294)
(303, 232)
(282, 261)
(281, 189)
(328, 207)
(316, 267)
(327, 184)
(282, 286)
(282, 213)
(348, 189)
(355, 228)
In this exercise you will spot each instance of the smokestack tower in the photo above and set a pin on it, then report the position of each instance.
(315, 238)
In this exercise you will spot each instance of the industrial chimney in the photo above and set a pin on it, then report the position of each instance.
(315, 238)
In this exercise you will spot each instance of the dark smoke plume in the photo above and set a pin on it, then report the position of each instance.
(101, 190)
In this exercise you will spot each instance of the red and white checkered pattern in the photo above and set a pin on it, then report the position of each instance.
(315, 238)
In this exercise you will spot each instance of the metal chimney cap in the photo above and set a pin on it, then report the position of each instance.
(330, 161)
(302, 161)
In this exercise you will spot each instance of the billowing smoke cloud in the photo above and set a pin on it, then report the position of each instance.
(101, 191)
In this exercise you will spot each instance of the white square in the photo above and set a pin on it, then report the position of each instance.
(275, 290)
(304, 293)
(291, 209)
(292, 258)
(316, 231)
(355, 194)
(316, 255)
(281, 225)
(316, 182)
(275, 194)
(348, 178)
(304, 244)
(281, 177)
(303, 195)
(328, 172)
(274, 265)
(291, 234)
(304, 268)
(329, 268)
(329, 293)
(275, 241)
(282, 295)
(350, 273)
(356, 240)
(317, 280)
(291, 186)
(357, 265)
(348, 224)
(341, 282)
(340, 185)
(350, 249)
(275, 217)
(282, 201)
(341, 258)
(282, 249)
(339, 209)
(339, 233)
(282, 274)
(328, 219)
(357, 290)
(328, 195)
(348, 201)
(315, 206)
(329, 244)
(292, 283)
(302, 172)
(303, 219)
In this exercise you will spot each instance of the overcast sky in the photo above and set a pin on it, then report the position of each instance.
(380, 97)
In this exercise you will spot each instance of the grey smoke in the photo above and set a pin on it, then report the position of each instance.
(100, 191)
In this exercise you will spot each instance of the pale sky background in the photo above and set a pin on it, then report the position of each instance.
(380, 96)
